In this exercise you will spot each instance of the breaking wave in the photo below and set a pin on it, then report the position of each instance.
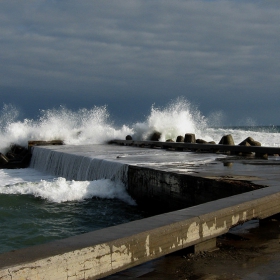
(60, 190)
(94, 126)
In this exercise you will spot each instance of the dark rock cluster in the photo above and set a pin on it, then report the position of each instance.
(16, 157)
(190, 138)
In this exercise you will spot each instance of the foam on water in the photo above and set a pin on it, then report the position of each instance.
(57, 189)
(60, 190)
(36, 208)
(93, 126)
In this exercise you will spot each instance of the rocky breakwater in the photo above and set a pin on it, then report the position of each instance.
(19, 156)
(189, 142)
(16, 157)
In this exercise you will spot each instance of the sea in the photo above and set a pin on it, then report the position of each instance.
(37, 207)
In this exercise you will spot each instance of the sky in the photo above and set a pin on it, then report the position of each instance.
(222, 56)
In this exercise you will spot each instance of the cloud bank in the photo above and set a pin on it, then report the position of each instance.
(221, 55)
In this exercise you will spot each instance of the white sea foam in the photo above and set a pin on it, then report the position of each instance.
(94, 126)
(59, 190)
(85, 126)
(33, 182)
(178, 118)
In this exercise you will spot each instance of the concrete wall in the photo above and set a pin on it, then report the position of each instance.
(161, 191)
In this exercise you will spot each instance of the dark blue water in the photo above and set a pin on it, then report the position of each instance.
(37, 208)
(26, 220)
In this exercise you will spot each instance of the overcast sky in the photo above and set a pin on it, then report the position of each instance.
(130, 54)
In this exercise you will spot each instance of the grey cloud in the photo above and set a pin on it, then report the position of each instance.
(141, 46)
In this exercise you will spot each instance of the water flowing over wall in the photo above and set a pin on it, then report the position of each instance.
(77, 167)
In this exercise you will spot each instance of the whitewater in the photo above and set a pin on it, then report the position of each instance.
(36, 207)
(94, 126)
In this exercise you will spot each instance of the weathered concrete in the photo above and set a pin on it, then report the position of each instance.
(205, 246)
(159, 191)
(100, 253)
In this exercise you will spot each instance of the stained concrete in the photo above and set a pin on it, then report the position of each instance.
(248, 251)
(98, 254)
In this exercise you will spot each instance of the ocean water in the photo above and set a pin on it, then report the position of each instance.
(36, 207)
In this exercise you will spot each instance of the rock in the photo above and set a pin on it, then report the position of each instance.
(180, 139)
(16, 152)
(169, 140)
(189, 138)
(155, 136)
(201, 141)
(3, 160)
(128, 137)
(16, 157)
(250, 141)
(227, 140)
(244, 143)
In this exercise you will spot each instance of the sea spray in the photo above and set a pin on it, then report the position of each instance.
(60, 190)
(94, 126)
(85, 126)
(177, 118)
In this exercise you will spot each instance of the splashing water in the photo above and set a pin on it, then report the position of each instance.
(86, 126)
(178, 118)
(36, 208)
(93, 126)
(60, 190)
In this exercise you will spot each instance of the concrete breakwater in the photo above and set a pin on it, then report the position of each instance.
(243, 149)
(159, 191)
(213, 193)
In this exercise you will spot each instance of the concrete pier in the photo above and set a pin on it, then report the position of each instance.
(250, 190)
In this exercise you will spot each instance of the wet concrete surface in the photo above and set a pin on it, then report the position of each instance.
(250, 251)
(209, 165)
